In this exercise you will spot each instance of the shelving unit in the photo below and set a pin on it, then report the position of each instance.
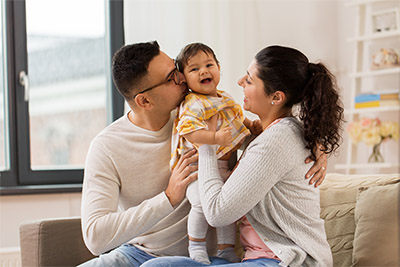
(363, 40)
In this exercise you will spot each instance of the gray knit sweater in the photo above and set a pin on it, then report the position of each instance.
(269, 187)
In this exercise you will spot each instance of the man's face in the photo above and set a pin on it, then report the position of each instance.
(168, 95)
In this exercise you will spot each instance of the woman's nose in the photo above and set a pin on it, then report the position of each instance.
(240, 81)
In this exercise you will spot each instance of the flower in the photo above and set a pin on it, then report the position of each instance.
(372, 131)
(371, 136)
(390, 129)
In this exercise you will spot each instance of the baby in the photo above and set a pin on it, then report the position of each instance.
(202, 72)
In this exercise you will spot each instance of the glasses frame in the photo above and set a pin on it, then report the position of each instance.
(173, 75)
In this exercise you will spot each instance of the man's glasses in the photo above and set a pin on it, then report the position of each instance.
(174, 76)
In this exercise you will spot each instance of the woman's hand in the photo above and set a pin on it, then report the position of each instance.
(318, 169)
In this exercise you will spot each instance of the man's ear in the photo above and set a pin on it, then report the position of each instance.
(279, 97)
(143, 102)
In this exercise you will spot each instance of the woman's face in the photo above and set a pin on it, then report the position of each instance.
(255, 98)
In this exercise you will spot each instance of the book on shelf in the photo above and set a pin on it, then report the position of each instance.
(377, 99)
(369, 104)
(362, 98)
(389, 102)
(378, 103)
(390, 97)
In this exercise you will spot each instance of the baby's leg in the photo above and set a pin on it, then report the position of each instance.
(226, 241)
(197, 226)
(227, 234)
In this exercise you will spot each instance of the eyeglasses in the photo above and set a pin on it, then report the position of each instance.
(173, 76)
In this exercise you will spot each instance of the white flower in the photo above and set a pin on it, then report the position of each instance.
(390, 129)
(371, 136)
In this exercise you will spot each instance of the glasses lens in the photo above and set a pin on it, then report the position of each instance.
(177, 77)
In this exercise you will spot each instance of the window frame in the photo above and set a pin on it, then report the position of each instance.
(20, 178)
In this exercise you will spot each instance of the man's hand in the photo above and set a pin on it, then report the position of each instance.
(181, 177)
(318, 169)
(255, 127)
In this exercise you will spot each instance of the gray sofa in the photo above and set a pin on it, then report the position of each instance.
(361, 214)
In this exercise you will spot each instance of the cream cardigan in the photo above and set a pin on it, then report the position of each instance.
(269, 187)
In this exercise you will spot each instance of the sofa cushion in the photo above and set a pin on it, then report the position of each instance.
(338, 201)
(53, 242)
(376, 239)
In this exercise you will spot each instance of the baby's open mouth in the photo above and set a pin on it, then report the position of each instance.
(207, 80)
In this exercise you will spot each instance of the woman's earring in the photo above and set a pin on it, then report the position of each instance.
(273, 103)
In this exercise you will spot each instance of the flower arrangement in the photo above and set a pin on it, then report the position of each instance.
(373, 132)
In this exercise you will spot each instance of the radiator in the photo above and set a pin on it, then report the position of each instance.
(10, 257)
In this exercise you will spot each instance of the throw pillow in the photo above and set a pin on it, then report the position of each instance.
(376, 238)
(338, 201)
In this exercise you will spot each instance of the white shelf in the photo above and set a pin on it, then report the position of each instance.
(363, 2)
(362, 43)
(376, 109)
(376, 72)
(366, 166)
(375, 36)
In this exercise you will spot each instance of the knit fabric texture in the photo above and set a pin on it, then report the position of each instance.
(269, 187)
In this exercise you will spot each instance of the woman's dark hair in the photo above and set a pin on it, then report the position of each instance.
(191, 50)
(130, 64)
(310, 85)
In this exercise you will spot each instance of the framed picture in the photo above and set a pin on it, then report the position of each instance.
(385, 20)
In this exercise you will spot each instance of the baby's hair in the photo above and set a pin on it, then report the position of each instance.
(191, 50)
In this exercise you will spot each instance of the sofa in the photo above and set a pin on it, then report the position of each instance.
(361, 214)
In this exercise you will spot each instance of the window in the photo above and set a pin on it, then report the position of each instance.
(4, 156)
(57, 92)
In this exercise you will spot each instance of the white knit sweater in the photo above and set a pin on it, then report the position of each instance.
(269, 187)
(123, 200)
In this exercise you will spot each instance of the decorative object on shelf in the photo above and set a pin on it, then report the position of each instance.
(386, 58)
(385, 20)
(373, 132)
(379, 98)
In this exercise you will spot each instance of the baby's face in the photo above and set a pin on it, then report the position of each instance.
(202, 74)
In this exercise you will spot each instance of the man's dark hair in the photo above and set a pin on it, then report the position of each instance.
(130, 64)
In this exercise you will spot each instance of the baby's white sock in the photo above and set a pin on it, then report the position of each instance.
(198, 252)
(228, 254)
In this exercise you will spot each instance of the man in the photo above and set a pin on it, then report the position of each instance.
(132, 205)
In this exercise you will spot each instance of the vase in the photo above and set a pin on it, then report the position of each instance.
(376, 155)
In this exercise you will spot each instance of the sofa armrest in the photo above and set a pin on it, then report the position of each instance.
(53, 242)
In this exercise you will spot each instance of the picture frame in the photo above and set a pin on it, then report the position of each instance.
(385, 20)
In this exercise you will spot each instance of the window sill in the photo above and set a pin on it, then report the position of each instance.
(40, 189)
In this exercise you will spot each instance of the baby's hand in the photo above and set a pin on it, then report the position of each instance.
(256, 127)
(223, 137)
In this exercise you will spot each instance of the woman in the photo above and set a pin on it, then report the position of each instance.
(267, 192)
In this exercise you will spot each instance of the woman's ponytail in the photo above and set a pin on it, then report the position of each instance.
(321, 110)
(311, 86)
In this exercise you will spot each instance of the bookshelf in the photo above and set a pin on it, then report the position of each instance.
(369, 38)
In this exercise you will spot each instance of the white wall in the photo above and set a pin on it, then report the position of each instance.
(236, 32)
(238, 29)
(15, 210)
